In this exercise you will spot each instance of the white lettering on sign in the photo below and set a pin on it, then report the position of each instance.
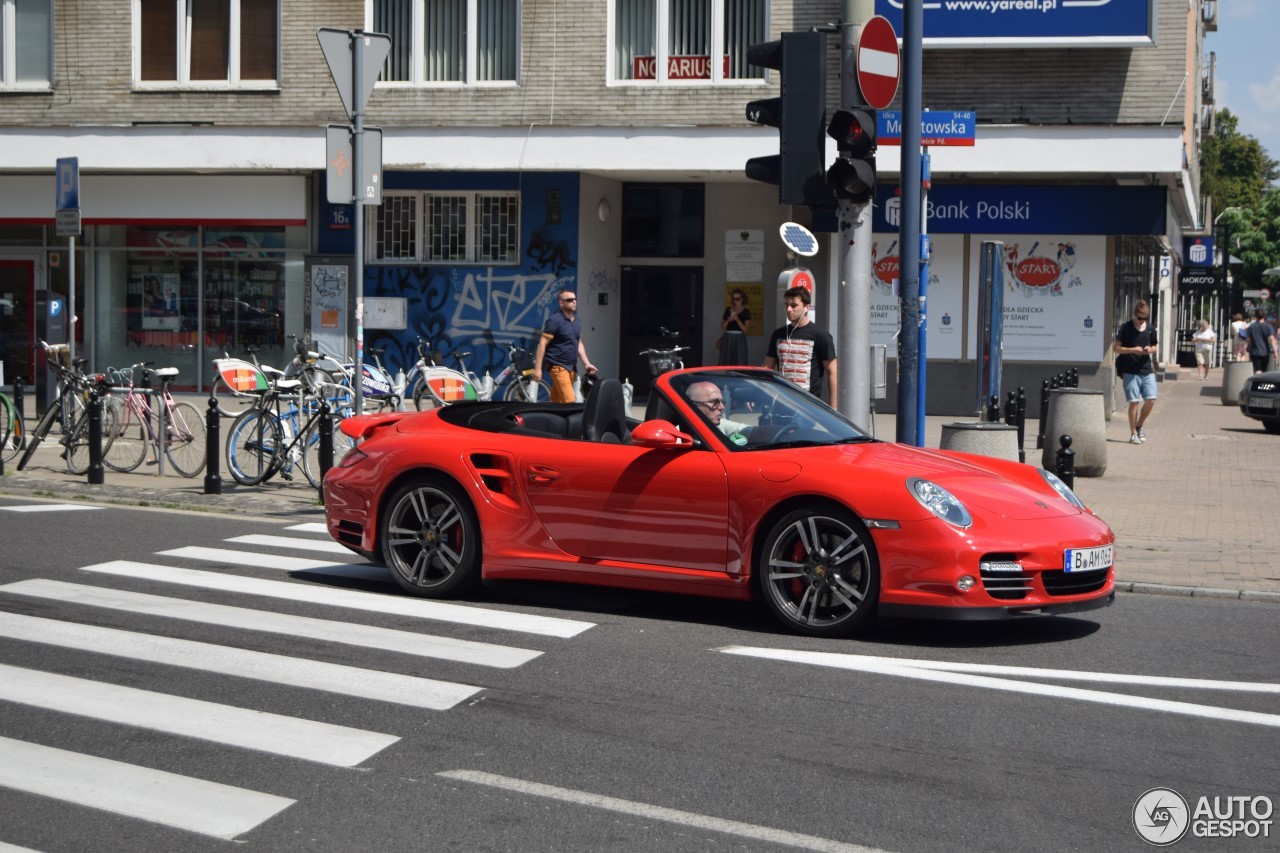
(678, 67)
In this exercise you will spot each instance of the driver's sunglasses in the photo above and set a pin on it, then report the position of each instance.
(716, 403)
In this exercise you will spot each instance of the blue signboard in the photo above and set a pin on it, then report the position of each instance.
(1014, 209)
(67, 191)
(1009, 23)
(937, 127)
(1198, 252)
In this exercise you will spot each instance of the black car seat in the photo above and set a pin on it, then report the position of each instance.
(605, 416)
(657, 408)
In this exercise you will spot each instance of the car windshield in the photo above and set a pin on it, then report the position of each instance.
(757, 410)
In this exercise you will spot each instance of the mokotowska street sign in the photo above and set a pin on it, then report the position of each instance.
(937, 127)
(339, 162)
(339, 53)
(876, 62)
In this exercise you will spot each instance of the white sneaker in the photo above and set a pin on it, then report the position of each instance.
(1133, 439)
(1142, 434)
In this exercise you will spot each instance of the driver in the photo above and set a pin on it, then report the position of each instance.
(707, 398)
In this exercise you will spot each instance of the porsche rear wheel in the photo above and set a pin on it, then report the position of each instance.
(818, 572)
(431, 539)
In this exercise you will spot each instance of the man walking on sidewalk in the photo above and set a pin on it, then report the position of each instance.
(1135, 342)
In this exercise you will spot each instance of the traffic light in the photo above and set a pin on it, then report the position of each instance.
(853, 176)
(799, 114)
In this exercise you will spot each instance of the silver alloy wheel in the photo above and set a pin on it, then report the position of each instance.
(819, 572)
(430, 539)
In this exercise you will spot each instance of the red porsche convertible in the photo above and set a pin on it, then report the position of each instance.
(735, 484)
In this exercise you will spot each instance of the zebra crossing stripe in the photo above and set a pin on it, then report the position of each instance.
(307, 740)
(262, 539)
(548, 626)
(194, 805)
(47, 507)
(241, 663)
(310, 527)
(347, 633)
(247, 558)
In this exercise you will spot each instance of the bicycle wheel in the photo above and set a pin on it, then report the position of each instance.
(46, 423)
(527, 391)
(255, 447)
(342, 406)
(129, 447)
(422, 398)
(219, 390)
(184, 442)
(10, 430)
(77, 452)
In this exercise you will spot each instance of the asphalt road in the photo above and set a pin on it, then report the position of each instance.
(586, 719)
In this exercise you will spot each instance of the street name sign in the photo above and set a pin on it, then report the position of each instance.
(877, 62)
(937, 127)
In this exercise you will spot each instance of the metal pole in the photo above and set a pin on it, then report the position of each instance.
(212, 448)
(909, 234)
(71, 303)
(921, 395)
(853, 342)
(357, 180)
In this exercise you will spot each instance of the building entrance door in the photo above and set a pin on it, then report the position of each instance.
(661, 308)
(17, 317)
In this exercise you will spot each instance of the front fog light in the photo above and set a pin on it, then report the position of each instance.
(965, 583)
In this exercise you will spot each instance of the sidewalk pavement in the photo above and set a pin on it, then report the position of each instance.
(1192, 508)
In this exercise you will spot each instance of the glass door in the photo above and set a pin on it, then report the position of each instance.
(661, 308)
(17, 317)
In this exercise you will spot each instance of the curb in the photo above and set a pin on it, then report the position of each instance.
(1198, 592)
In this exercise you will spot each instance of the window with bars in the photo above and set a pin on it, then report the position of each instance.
(673, 41)
(26, 44)
(463, 42)
(446, 227)
(207, 43)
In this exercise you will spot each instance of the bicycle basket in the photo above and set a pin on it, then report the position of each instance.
(59, 355)
(522, 361)
(661, 362)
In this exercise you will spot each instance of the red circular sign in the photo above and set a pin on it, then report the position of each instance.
(877, 62)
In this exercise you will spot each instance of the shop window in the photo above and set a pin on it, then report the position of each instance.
(675, 41)
(449, 41)
(447, 227)
(26, 44)
(207, 43)
(663, 220)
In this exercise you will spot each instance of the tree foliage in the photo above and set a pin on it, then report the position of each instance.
(1236, 169)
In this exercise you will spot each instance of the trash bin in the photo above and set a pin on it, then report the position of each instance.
(986, 438)
(1081, 414)
(1234, 375)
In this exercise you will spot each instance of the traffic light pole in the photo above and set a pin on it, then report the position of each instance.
(357, 155)
(853, 342)
(909, 293)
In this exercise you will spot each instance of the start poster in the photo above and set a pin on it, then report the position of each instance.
(944, 305)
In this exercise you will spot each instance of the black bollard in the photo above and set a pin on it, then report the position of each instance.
(1010, 410)
(1044, 412)
(1075, 377)
(993, 408)
(18, 405)
(1066, 462)
(1021, 405)
(212, 448)
(96, 477)
(326, 443)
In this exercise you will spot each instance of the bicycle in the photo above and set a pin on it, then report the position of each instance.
(443, 385)
(12, 430)
(239, 378)
(664, 360)
(379, 391)
(268, 439)
(70, 410)
(175, 428)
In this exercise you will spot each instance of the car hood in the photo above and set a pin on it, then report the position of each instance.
(996, 486)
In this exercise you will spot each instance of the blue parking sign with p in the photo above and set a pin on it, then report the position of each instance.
(68, 183)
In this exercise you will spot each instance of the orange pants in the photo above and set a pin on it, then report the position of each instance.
(562, 384)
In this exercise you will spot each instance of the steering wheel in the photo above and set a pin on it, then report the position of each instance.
(781, 434)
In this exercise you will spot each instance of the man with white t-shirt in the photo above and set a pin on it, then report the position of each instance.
(802, 350)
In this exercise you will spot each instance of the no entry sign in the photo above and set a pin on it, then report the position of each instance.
(877, 62)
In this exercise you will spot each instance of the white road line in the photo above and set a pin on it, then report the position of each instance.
(308, 740)
(903, 669)
(310, 527)
(247, 558)
(47, 507)
(325, 630)
(189, 804)
(241, 663)
(5, 847)
(327, 547)
(400, 605)
(646, 811)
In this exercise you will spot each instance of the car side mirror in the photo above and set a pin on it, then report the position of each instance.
(660, 433)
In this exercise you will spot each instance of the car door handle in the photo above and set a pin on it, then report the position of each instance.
(543, 474)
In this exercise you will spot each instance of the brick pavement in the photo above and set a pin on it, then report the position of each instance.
(1192, 508)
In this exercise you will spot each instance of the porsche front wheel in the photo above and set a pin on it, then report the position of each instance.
(818, 572)
(431, 539)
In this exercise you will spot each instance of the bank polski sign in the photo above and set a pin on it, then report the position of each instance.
(1031, 23)
(1198, 252)
(1019, 209)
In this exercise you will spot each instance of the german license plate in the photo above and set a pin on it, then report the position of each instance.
(1262, 402)
(1087, 559)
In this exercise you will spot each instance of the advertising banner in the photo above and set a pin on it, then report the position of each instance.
(945, 308)
(1031, 23)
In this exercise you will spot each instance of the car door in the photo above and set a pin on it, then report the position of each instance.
(661, 507)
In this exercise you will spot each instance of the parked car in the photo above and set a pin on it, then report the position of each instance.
(796, 506)
(1260, 399)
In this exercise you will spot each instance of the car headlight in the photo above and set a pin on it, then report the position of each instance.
(1062, 489)
(940, 502)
